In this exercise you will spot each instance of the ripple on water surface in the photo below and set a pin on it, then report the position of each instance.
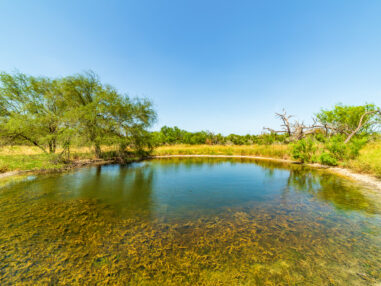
(190, 221)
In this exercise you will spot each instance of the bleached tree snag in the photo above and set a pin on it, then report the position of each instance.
(361, 124)
(274, 131)
(285, 119)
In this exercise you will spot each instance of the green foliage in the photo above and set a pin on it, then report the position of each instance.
(45, 112)
(304, 150)
(356, 145)
(327, 159)
(337, 148)
(174, 135)
(343, 119)
(31, 109)
(341, 151)
(321, 138)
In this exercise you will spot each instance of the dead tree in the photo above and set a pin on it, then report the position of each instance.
(298, 130)
(295, 130)
(286, 121)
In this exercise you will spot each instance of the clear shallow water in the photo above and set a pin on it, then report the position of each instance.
(190, 221)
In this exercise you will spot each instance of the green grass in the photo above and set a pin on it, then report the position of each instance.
(31, 158)
(14, 158)
(28, 162)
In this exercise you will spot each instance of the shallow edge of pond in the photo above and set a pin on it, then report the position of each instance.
(67, 167)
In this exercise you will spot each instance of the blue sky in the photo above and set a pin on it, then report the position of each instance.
(223, 66)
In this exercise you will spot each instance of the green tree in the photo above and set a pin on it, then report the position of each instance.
(349, 120)
(31, 110)
(101, 115)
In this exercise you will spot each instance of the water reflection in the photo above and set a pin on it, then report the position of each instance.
(200, 183)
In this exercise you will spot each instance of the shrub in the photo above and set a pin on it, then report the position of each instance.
(327, 159)
(355, 145)
(3, 169)
(321, 137)
(337, 148)
(304, 150)
(341, 151)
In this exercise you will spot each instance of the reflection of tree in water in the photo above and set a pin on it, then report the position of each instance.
(330, 188)
(124, 188)
(175, 163)
(140, 191)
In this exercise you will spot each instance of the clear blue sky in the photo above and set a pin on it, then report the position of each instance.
(223, 66)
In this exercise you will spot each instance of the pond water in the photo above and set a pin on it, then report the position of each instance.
(203, 221)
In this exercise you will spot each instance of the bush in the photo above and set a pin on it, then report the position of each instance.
(337, 148)
(355, 145)
(3, 169)
(327, 159)
(321, 138)
(341, 151)
(304, 150)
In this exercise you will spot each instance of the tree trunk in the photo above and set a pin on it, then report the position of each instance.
(52, 146)
(98, 151)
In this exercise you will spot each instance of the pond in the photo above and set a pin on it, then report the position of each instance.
(206, 221)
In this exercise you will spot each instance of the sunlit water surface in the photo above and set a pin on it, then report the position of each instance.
(190, 221)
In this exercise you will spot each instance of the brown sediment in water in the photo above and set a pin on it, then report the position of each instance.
(81, 243)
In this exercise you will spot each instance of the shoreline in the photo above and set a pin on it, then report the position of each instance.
(366, 179)
(70, 166)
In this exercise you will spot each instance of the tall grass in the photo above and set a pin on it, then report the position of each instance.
(273, 151)
(32, 158)
(369, 160)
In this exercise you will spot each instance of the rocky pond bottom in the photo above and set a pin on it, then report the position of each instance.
(190, 221)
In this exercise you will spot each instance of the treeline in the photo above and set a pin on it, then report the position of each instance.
(336, 134)
(81, 110)
(174, 135)
(78, 109)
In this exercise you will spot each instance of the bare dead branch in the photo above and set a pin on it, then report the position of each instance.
(361, 124)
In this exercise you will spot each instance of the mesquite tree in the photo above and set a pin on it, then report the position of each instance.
(49, 112)
(31, 110)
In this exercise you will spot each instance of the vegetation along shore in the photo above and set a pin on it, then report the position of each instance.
(50, 124)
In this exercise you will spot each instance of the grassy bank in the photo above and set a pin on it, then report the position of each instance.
(273, 151)
(368, 162)
(31, 158)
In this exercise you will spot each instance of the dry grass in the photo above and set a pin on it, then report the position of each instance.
(369, 160)
(31, 158)
(273, 151)
(32, 150)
